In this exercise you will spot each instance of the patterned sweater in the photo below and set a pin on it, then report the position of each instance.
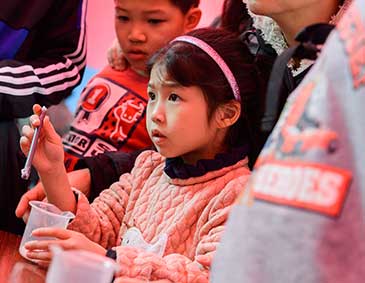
(191, 212)
(110, 116)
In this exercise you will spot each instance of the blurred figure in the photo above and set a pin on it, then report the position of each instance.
(302, 219)
(42, 58)
(273, 28)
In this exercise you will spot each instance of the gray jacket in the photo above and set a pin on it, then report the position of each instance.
(302, 218)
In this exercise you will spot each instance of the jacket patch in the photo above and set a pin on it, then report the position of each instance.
(315, 187)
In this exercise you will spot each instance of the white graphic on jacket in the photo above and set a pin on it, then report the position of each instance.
(129, 113)
(109, 117)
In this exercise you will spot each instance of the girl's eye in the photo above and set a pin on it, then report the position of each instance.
(174, 97)
(155, 21)
(151, 95)
(123, 18)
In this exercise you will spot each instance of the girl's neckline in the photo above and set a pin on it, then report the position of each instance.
(175, 168)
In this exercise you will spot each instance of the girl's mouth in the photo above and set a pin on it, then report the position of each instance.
(157, 137)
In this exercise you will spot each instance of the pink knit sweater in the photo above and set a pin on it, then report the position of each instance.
(192, 213)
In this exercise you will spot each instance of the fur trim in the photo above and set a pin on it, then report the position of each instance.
(270, 32)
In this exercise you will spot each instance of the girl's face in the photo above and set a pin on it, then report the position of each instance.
(275, 7)
(177, 119)
(144, 26)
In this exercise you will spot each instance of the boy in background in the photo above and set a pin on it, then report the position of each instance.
(111, 112)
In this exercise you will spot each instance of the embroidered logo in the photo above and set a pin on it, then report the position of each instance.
(285, 173)
(94, 98)
(311, 186)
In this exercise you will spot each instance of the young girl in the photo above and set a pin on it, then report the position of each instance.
(201, 90)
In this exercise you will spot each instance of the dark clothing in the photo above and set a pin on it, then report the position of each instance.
(265, 57)
(105, 168)
(42, 58)
(176, 167)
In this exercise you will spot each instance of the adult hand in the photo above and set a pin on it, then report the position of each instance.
(23, 208)
(79, 179)
(39, 251)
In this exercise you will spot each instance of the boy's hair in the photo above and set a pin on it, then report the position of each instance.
(185, 5)
(188, 65)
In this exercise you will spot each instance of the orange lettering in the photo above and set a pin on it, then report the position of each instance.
(352, 32)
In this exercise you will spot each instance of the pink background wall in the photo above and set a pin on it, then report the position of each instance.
(100, 22)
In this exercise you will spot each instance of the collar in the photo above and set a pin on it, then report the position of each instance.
(175, 168)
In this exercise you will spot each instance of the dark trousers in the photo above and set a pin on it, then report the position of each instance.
(12, 187)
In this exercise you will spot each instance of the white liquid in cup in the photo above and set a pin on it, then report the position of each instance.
(43, 214)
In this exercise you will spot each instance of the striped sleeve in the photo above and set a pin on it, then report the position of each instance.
(49, 64)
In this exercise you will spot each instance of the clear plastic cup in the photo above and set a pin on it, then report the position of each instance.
(79, 266)
(24, 272)
(43, 214)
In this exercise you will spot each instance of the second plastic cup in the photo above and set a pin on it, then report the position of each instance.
(43, 214)
(78, 266)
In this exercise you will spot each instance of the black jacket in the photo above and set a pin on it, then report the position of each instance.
(42, 58)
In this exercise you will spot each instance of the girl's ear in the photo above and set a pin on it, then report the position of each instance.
(228, 114)
(192, 19)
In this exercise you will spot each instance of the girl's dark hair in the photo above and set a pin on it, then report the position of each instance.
(235, 17)
(185, 5)
(191, 66)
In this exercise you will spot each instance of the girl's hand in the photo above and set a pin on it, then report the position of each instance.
(49, 153)
(39, 251)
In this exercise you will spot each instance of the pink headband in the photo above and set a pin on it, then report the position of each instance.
(218, 59)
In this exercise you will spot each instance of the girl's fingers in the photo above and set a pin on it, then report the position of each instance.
(27, 132)
(59, 233)
(39, 255)
(26, 138)
(37, 109)
(34, 121)
(49, 131)
(24, 145)
(38, 245)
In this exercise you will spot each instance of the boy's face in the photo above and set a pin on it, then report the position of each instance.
(144, 26)
(274, 7)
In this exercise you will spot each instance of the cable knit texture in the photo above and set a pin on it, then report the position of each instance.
(191, 212)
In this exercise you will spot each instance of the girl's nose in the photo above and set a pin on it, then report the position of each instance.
(157, 114)
(136, 35)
